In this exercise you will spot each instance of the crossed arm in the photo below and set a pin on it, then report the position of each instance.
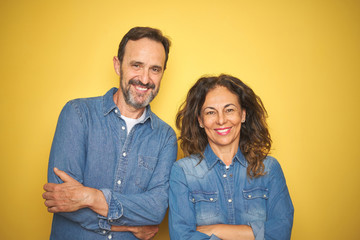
(71, 196)
(101, 209)
(182, 216)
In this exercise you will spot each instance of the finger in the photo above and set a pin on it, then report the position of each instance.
(53, 210)
(48, 196)
(49, 203)
(49, 187)
(63, 175)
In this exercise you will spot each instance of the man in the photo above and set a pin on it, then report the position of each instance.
(111, 156)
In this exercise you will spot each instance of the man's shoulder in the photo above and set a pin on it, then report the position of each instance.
(88, 103)
(83, 107)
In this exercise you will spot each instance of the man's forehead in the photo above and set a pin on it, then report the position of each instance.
(144, 43)
(144, 49)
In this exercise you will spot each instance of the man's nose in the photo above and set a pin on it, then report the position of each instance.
(145, 78)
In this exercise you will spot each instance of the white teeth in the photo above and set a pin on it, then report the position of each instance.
(141, 88)
(222, 130)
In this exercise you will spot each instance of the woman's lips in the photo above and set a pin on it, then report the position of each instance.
(222, 131)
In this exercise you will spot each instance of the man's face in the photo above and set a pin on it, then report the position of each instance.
(141, 71)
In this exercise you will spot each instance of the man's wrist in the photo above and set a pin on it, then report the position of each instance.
(95, 200)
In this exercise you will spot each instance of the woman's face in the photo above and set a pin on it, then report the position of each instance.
(221, 117)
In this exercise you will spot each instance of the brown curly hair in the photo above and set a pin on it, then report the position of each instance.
(255, 140)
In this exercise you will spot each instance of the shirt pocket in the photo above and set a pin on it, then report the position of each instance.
(145, 168)
(256, 201)
(206, 204)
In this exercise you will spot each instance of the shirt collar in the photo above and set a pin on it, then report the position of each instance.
(211, 158)
(109, 105)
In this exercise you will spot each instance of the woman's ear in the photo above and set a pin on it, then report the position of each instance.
(243, 115)
(200, 122)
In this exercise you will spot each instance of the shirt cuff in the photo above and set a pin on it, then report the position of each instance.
(214, 237)
(258, 228)
(114, 213)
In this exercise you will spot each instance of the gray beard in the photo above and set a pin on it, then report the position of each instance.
(130, 99)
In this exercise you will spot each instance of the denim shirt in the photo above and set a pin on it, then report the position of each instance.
(91, 145)
(207, 193)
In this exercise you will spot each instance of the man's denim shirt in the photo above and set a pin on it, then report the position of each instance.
(207, 193)
(91, 145)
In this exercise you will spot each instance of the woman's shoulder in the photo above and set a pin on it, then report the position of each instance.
(192, 165)
(272, 165)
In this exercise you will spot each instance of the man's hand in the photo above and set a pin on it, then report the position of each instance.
(66, 197)
(141, 232)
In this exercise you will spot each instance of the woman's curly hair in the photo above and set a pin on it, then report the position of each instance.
(255, 140)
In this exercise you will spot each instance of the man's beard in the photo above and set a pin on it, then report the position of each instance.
(129, 97)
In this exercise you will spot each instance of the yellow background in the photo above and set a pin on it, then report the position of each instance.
(301, 57)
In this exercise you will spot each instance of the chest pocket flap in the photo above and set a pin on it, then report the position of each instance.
(203, 197)
(256, 193)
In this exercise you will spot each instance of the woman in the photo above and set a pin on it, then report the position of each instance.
(226, 187)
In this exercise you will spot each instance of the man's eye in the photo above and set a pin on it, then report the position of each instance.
(156, 69)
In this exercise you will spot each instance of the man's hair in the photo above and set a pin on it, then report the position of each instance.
(137, 33)
(255, 140)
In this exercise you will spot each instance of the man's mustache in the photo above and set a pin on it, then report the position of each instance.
(138, 82)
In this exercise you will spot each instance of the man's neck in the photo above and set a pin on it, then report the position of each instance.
(125, 109)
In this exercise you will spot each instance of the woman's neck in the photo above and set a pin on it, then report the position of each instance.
(225, 153)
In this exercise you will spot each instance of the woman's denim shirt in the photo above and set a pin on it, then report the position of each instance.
(132, 170)
(207, 193)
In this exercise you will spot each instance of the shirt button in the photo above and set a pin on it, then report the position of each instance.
(119, 182)
(211, 199)
(109, 237)
(230, 200)
(123, 128)
(193, 199)
(104, 231)
(224, 175)
(116, 111)
(264, 195)
(124, 154)
(249, 196)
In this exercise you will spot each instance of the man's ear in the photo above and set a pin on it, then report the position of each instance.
(116, 65)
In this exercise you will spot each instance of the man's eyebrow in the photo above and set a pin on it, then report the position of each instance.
(157, 66)
(136, 62)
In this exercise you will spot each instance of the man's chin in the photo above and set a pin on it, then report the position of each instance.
(139, 104)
